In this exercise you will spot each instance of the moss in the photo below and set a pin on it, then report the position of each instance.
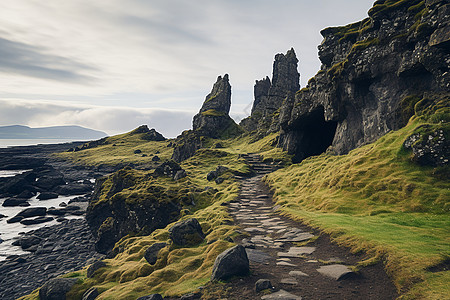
(213, 113)
(381, 9)
(336, 70)
(407, 107)
(362, 45)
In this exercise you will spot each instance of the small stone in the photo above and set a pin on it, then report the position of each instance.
(281, 295)
(262, 284)
(297, 274)
(289, 280)
(285, 264)
(337, 271)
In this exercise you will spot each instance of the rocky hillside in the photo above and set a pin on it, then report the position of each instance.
(361, 154)
(373, 73)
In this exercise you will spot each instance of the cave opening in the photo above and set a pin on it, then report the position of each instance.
(314, 135)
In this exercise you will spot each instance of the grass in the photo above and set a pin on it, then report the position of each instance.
(376, 200)
(120, 149)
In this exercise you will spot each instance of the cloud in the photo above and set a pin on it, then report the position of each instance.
(112, 120)
(28, 60)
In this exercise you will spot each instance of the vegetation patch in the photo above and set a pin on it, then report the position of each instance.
(213, 113)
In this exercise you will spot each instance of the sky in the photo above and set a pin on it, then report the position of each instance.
(113, 65)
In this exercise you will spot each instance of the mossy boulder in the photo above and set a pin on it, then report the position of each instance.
(187, 233)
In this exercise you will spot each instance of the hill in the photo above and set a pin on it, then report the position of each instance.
(54, 132)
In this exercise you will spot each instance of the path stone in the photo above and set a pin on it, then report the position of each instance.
(281, 295)
(338, 272)
(289, 280)
(285, 264)
(302, 250)
(300, 237)
(297, 274)
(257, 256)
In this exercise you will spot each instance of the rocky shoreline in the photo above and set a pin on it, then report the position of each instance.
(62, 248)
(53, 250)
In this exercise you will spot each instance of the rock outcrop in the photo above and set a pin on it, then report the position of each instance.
(370, 70)
(269, 96)
(231, 262)
(212, 121)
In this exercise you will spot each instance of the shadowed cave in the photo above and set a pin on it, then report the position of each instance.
(313, 135)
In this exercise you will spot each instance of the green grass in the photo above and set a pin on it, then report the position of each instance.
(120, 149)
(376, 200)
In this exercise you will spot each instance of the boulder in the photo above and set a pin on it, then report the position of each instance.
(231, 262)
(180, 174)
(137, 151)
(156, 158)
(219, 180)
(151, 297)
(15, 219)
(74, 189)
(187, 233)
(26, 194)
(56, 288)
(168, 168)
(94, 267)
(32, 212)
(151, 254)
(90, 294)
(29, 241)
(262, 284)
(15, 202)
(47, 195)
(37, 220)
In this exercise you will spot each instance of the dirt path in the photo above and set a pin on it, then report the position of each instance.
(300, 262)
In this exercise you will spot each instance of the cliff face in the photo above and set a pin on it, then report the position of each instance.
(269, 96)
(371, 70)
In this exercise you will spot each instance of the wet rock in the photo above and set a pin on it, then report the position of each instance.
(15, 219)
(32, 212)
(74, 189)
(187, 233)
(29, 241)
(47, 195)
(26, 195)
(262, 284)
(15, 202)
(90, 294)
(56, 288)
(231, 262)
(151, 254)
(37, 220)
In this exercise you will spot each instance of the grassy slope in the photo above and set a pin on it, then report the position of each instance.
(374, 199)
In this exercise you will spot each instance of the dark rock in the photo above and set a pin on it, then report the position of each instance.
(187, 233)
(148, 134)
(63, 204)
(48, 178)
(168, 168)
(211, 175)
(90, 294)
(156, 158)
(187, 144)
(218, 145)
(180, 174)
(56, 212)
(15, 219)
(2, 216)
(151, 254)
(151, 297)
(430, 147)
(32, 212)
(37, 220)
(47, 196)
(137, 151)
(94, 267)
(231, 262)
(15, 202)
(74, 189)
(26, 195)
(219, 180)
(262, 284)
(56, 288)
(17, 184)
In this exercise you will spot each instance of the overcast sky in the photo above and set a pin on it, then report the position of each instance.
(113, 65)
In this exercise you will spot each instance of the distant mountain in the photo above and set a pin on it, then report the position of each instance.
(54, 132)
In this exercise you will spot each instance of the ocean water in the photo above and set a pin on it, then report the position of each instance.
(4, 143)
(9, 232)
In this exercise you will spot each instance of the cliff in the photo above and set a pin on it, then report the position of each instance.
(373, 72)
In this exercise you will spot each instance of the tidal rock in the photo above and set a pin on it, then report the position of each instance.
(151, 297)
(47, 195)
(151, 254)
(29, 241)
(56, 288)
(15, 202)
(231, 262)
(74, 189)
(32, 212)
(90, 294)
(37, 220)
(187, 233)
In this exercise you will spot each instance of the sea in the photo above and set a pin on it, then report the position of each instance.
(10, 232)
(5, 143)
